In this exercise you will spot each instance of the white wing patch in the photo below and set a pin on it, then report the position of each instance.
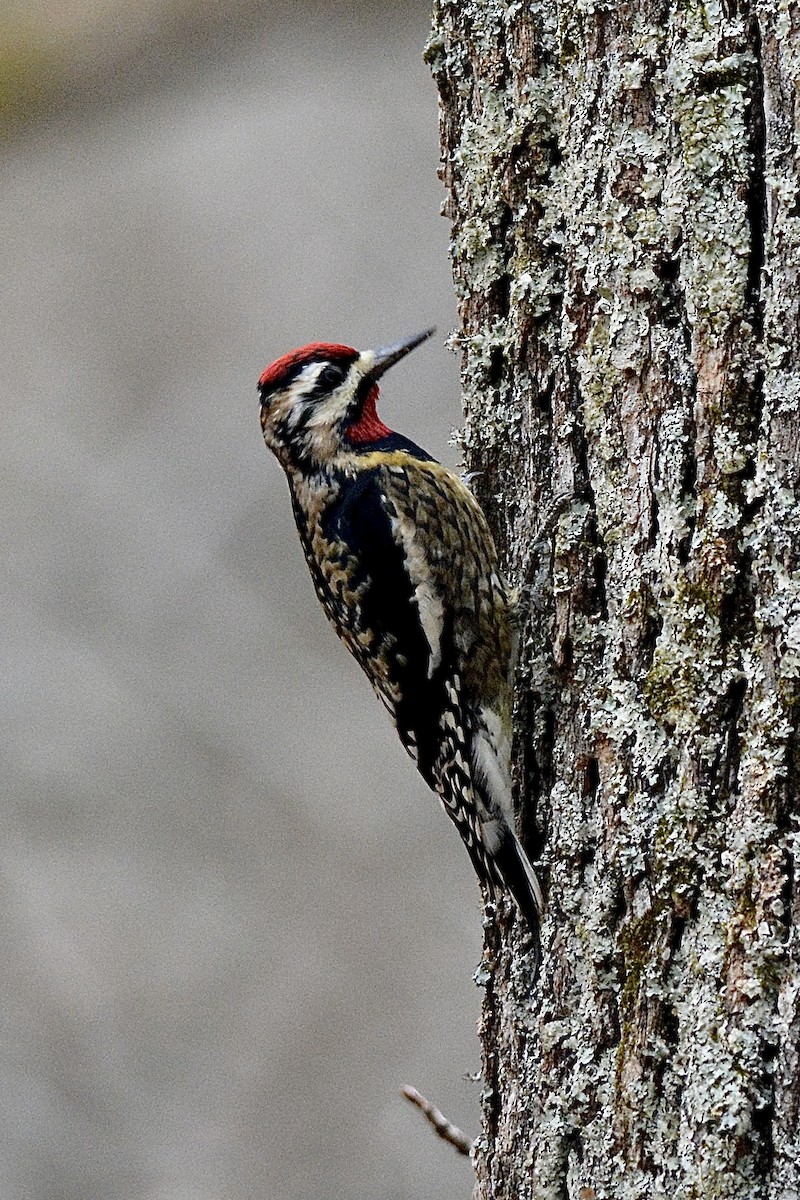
(429, 603)
(491, 751)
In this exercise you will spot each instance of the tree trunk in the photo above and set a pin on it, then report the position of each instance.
(624, 185)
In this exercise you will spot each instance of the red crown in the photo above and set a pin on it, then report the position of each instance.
(314, 352)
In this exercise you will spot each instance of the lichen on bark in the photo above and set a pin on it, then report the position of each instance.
(622, 182)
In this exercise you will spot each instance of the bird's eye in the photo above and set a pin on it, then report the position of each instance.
(330, 376)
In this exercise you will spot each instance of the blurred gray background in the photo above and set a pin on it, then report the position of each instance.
(233, 921)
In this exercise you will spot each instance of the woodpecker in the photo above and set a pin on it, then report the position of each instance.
(406, 569)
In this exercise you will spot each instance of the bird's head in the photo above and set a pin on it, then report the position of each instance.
(318, 402)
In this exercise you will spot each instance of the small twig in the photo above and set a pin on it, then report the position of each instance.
(445, 1129)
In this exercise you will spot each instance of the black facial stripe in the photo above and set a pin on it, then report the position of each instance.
(302, 418)
(359, 397)
(281, 384)
(330, 377)
(363, 389)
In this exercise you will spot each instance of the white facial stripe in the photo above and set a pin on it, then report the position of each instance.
(321, 412)
(365, 362)
(298, 388)
(328, 411)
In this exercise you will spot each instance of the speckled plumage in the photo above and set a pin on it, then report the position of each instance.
(406, 569)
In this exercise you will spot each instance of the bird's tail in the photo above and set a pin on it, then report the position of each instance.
(519, 877)
(508, 864)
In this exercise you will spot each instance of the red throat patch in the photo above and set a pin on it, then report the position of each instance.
(369, 427)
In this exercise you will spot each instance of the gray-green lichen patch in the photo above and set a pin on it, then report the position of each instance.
(615, 174)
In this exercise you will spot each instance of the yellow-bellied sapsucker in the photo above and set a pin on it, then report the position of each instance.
(406, 569)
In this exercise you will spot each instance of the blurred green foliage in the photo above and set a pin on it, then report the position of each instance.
(33, 70)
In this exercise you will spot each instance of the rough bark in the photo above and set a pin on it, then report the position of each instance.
(624, 188)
